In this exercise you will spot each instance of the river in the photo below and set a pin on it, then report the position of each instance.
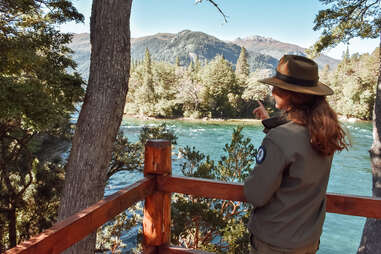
(350, 174)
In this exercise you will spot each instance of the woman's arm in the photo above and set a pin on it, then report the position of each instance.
(266, 177)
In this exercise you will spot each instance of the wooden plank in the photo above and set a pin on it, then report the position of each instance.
(201, 187)
(180, 250)
(157, 207)
(369, 207)
(342, 204)
(71, 230)
(157, 157)
(150, 250)
(156, 221)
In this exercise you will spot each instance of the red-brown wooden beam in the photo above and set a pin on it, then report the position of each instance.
(201, 187)
(336, 203)
(149, 249)
(369, 207)
(71, 230)
(179, 250)
(157, 207)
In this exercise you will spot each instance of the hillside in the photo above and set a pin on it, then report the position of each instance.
(277, 49)
(264, 53)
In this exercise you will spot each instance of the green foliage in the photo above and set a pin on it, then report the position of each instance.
(37, 97)
(212, 224)
(208, 224)
(242, 67)
(214, 90)
(256, 90)
(126, 156)
(195, 91)
(109, 236)
(146, 94)
(344, 20)
(219, 81)
(238, 162)
(157, 132)
(354, 84)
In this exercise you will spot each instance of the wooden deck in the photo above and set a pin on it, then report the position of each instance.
(155, 188)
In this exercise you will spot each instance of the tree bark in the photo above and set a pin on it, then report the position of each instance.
(12, 227)
(370, 241)
(101, 112)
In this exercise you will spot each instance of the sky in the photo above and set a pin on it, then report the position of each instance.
(288, 21)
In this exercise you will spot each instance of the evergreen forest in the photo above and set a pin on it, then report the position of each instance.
(216, 90)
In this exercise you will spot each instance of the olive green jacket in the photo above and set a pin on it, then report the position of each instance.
(287, 187)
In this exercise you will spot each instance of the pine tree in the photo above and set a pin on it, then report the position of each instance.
(190, 67)
(346, 56)
(197, 65)
(242, 67)
(146, 94)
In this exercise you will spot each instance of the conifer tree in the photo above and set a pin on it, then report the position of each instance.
(190, 67)
(346, 55)
(242, 67)
(146, 94)
(197, 65)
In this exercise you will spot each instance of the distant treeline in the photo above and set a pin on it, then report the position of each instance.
(216, 90)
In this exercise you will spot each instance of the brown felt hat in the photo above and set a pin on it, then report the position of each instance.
(298, 74)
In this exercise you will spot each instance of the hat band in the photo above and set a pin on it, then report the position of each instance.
(300, 82)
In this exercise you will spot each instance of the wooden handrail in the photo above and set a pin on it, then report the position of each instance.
(353, 205)
(201, 187)
(156, 188)
(71, 230)
(336, 203)
(179, 250)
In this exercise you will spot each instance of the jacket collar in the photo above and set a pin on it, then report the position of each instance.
(273, 122)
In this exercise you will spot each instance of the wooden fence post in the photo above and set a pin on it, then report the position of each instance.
(157, 207)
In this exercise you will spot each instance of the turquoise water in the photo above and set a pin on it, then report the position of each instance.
(350, 174)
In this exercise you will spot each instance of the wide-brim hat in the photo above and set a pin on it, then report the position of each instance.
(298, 74)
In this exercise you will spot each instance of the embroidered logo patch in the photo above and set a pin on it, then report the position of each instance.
(261, 154)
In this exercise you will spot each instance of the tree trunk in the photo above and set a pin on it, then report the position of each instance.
(370, 242)
(101, 112)
(12, 227)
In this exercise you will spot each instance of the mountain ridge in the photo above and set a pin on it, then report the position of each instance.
(263, 52)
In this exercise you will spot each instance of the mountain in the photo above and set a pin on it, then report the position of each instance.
(187, 45)
(277, 49)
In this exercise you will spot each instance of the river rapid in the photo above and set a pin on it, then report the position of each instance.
(350, 173)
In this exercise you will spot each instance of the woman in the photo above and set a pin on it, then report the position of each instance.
(288, 184)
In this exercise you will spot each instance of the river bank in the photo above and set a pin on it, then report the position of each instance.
(229, 121)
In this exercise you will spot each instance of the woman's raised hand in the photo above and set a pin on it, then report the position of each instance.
(260, 111)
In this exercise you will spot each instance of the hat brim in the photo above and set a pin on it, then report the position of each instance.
(318, 89)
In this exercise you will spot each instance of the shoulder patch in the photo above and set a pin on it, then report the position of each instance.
(261, 154)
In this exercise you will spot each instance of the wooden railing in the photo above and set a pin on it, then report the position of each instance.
(155, 188)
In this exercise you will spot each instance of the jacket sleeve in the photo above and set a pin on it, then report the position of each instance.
(266, 177)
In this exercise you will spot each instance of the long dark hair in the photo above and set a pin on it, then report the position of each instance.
(313, 111)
